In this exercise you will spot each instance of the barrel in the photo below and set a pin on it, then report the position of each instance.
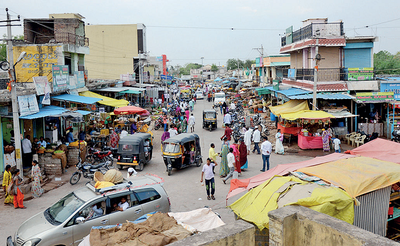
(272, 116)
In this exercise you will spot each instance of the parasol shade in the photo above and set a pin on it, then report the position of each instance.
(131, 110)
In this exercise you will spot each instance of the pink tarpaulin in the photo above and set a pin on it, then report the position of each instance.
(309, 142)
(238, 186)
(381, 149)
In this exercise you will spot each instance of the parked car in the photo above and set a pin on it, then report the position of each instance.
(199, 95)
(70, 219)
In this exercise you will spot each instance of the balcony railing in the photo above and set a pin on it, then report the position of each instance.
(70, 38)
(314, 30)
(327, 74)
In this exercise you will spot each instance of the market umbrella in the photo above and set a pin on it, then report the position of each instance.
(218, 79)
(225, 82)
(131, 110)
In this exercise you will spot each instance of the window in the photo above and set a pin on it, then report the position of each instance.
(171, 148)
(89, 212)
(64, 208)
(147, 195)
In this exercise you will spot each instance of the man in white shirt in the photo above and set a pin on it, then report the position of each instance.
(256, 140)
(247, 139)
(191, 122)
(337, 143)
(233, 106)
(26, 151)
(123, 205)
(266, 149)
(172, 131)
(231, 164)
(42, 142)
(227, 119)
(208, 175)
(123, 134)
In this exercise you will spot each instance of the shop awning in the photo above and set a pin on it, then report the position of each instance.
(289, 107)
(307, 114)
(113, 89)
(131, 92)
(106, 100)
(44, 112)
(76, 99)
(341, 113)
(293, 91)
(83, 112)
(263, 91)
(333, 96)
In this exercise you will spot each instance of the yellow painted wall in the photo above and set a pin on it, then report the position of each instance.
(112, 48)
(37, 62)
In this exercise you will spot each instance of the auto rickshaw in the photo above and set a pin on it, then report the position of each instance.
(135, 150)
(210, 119)
(181, 151)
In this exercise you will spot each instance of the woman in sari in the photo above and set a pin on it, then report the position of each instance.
(224, 169)
(18, 196)
(278, 144)
(37, 190)
(236, 153)
(243, 155)
(7, 180)
(325, 139)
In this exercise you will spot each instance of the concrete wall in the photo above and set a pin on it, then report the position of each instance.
(296, 60)
(298, 226)
(330, 57)
(112, 49)
(238, 233)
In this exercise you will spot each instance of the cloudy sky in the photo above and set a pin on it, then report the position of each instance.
(186, 30)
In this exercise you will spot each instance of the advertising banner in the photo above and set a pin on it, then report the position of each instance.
(27, 105)
(375, 97)
(37, 62)
(60, 78)
(366, 73)
(42, 85)
(391, 87)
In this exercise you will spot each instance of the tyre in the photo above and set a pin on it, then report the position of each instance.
(75, 178)
(120, 167)
(140, 166)
(157, 126)
(169, 171)
(210, 127)
(199, 162)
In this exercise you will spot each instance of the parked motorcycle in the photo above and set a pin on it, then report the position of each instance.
(97, 156)
(396, 136)
(158, 123)
(87, 170)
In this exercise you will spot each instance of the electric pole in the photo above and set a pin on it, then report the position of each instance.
(261, 51)
(317, 58)
(17, 131)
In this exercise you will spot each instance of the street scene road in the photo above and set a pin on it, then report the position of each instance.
(183, 186)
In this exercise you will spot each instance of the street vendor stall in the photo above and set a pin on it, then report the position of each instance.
(290, 107)
(312, 123)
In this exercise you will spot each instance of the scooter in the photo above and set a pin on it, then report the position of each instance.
(87, 170)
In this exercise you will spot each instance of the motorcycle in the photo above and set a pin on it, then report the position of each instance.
(96, 156)
(396, 136)
(158, 123)
(87, 170)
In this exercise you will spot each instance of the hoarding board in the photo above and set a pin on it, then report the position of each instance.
(60, 78)
(375, 97)
(366, 73)
(42, 85)
(27, 105)
(391, 87)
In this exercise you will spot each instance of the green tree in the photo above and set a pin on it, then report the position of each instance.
(233, 64)
(386, 63)
(3, 46)
(214, 68)
(186, 70)
(248, 63)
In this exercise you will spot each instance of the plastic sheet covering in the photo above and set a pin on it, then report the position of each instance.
(307, 114)
(357, 176)
(106, 100)
(381, 149)
(202, 219)
(255, 205)
(289, 107)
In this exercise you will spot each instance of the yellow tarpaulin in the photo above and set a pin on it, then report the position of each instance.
(106, 100)
(307, 114)
(357, 176)
(255, 205)
(289, 107)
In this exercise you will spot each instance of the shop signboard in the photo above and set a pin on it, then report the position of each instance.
(42, 85)
(60, 78)
(366, 73)
(38, 61)
(375, 97)
(292, 73)
(391, 87)
(28, 105)
(3, 110)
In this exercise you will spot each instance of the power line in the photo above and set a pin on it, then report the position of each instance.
(218, 28)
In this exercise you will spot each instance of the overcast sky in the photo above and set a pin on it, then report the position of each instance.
(186, 30)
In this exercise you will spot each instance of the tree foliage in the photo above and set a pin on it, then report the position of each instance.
(214, 68)
(186, 70)
(3, 46)
(233, 64)
(386, 63)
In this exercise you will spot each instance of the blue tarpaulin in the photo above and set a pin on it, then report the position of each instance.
(76, 99)
(44, 112)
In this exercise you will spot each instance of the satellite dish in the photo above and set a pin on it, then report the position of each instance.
(4, 65)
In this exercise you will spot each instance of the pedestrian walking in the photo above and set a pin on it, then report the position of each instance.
(247, 139)
(231, 164)
(7, 181)
(27, 151)
(165, 135)
(236, 153)
(266, 149)
(37, 190)
(211, 153)
(18, 196)
(337, 143)
(208, 175)
(172, 131)
(165, 121)
(243, 155)
(223, 170)
(256, 140)
(278, 143)
(227, 133)
(191, 122)
(227, 119)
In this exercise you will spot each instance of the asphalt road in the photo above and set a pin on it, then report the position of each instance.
(183, 186)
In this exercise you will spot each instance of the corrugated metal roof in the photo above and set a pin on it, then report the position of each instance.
(333, 96)
(292, 92)
(78, 99)
(44, 112)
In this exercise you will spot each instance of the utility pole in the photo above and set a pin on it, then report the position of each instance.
(261, 51)
(202, 68)
(317, 58)
(17, 131)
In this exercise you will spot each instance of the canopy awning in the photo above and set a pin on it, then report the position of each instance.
(44, 112)
(113, 89)
(76, 99)
(106, 100)
(307, 114)
(289, 107)
(130, 91)
(83, 112)
(341, 113)
(332, 96)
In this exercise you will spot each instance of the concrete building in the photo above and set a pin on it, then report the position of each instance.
(206, 73)
(115, 50)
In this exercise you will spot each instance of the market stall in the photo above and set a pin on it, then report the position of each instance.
(313, 123)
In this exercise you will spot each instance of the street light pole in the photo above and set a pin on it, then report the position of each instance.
(315, 77)
(17, 136)
(202, 68)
